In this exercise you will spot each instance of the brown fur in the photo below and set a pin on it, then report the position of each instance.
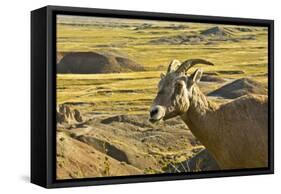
(236, 133)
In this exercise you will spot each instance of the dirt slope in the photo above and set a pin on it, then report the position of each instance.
(77, 160)
(129, 142)
(239, 88)
(96, 62)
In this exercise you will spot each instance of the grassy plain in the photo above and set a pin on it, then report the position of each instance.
(133, 39)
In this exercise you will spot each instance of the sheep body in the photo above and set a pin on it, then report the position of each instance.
(235, 133)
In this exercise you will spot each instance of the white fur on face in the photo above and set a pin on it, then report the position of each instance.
(180, 99)
(172, 102)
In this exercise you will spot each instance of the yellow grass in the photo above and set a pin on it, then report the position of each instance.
(134, 91)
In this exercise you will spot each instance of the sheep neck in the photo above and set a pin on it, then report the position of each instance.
(202, 119)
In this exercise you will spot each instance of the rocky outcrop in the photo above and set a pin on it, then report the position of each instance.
(134, 120)
(76, 159)
(239, 88)
(96, 62)
(67, 115)
(217, 31)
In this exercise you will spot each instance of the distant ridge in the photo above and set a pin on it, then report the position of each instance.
(217, 31)
(207, 36)
(239, 88)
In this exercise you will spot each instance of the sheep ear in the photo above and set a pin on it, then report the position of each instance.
(196, 76)
(162, 75)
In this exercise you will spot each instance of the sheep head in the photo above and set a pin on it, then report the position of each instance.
(175, 90)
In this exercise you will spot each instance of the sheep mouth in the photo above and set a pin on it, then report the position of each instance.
(155, 120)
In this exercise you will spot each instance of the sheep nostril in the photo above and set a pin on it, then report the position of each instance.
(153, 112)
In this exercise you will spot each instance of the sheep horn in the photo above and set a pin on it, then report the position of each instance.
(190, 63)
(173, 65)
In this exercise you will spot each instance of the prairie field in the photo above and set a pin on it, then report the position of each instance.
(114, 137)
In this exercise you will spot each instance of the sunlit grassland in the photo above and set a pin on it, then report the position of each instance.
(133, 92)
(135, 44)
(109, 92)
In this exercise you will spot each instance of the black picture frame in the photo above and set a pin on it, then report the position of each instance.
(43, 95)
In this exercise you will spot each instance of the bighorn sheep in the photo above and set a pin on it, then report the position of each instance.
(235, 133)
